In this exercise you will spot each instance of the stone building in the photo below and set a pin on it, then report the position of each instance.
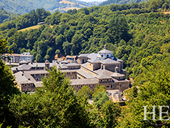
(17, 58)
(86, 69)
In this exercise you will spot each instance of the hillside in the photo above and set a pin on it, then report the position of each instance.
(22, 7)
(5, 16)
(108, 2)
(137, 33)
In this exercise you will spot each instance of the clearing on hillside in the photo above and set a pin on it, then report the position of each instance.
(31, 27)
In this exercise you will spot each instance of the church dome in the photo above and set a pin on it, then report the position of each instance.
(104, 54)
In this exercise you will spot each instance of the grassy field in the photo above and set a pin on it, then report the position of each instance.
(31, 27)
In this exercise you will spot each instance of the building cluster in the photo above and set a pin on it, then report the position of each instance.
(15, 59)
(86, 69)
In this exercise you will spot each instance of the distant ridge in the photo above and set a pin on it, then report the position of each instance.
(25, 6)
(5, 16)
(108, 2)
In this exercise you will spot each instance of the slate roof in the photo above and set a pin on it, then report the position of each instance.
(83, 81)
(85, 74)
(37, 64)
(102, 76)
(109, 61)
(20, 77)
(92, 56)
(117, 75)
(105, 51)
(83, 55)
(23, 61)
(72, 64)
(96, 60)
(104, 72)
(24, 67)
(63, 66)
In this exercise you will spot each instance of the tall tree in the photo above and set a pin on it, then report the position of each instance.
(7, 89)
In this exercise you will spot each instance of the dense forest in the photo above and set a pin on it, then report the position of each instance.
(6, 16)
(139, 34)
(108, 2)
(25, 6)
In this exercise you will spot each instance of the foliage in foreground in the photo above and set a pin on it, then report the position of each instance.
(54, 105)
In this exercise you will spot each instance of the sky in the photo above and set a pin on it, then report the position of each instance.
(92, 0)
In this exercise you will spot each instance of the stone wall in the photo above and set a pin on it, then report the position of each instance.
(71, 75)
(27, 87)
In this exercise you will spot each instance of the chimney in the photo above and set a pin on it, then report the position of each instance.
(116, 69)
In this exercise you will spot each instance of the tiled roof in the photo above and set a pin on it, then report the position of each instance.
(37, 72)
(102, 76)
(72, 64)
(83, 81)
(85, 74)
(83, 55)
(23, 61)
(92, 56)
(24, 67)
(105, 51)
(37, 64)
(117, 75)
(108, 61)
(104, 72)
(96, 60)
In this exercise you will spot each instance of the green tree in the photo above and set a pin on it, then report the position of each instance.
(7, 89)
(100, 99)
(98, 88)
(53, 105)
(110, 112)
(85, 91)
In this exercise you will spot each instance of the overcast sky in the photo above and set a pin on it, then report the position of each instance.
(92, 0)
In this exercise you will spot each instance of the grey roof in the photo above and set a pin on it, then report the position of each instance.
(72, 64)
(23, 61)
(37, 72)
(85, 74)
(105, 51)
(92, 56)
(96, 60)
(117, 75)
(83, 55)
(26, 82)
(83, 81)
(69, 70)
(63, 66)
(84, 65)
(37, 64)
(102, 76)
(105, 72)
(24, 67)
(109, 61)
(20, 77)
